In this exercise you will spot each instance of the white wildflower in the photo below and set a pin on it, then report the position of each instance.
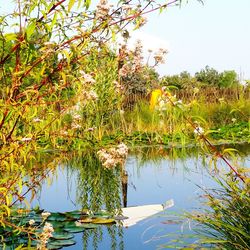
(91, 129)
(37, 119)
(159, 56)
(44, 236)
(86, 78)
(199, 130)
(64, 132)
(45, 215)
(234, 120)
(77, 117)
(48, 228)
(124, 70)
(102, 9)
(32, 222)
(122, 150)
(179, 102)
(113, 156)
(92, 95)
(109, 163)
(75, 125)
(26, 139)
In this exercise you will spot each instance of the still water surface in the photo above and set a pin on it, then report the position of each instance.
(153, 179)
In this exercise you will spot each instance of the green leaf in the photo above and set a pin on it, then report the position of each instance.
(62, 236)
(62, 243)
(10, 37)
(74, 229)
(87, 3)
(87, 225)
(54, 20)
(71, 3)
(57, 217)
(30, 30)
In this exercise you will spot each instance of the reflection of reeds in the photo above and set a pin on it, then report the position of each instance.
(157, 153)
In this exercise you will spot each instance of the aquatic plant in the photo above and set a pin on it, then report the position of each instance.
(225, 223)
(44, 230)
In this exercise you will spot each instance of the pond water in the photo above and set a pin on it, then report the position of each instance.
(154, 177)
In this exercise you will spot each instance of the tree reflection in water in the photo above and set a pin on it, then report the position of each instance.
(99, 188)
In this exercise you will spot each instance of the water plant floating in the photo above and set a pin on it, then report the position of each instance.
(56, 230)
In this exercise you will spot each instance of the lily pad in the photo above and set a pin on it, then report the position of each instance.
(57, 217)
(87, 225)
(103, 221)
(62, 236)
(61, 243)
(69, 224)
(74, 229)
(77, 213)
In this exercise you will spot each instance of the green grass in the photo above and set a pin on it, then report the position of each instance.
(226, 222)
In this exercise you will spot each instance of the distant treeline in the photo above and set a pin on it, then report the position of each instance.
(208, 77)
(207, 85)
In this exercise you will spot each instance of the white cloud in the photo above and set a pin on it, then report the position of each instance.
(149, 41)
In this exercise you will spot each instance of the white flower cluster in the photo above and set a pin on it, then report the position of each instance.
(134, 65)
(199, 130)
(37, 119)
(26, 139)
(102, 9)
(75, 125)
(113, 156)
(31, 222)
(87, 94)
(138, 55)
(159, 56)
(91, 95)
(45, 235)
(45, 215)
(127, 8)
(84, 96)
(125, 70)
(86, 78)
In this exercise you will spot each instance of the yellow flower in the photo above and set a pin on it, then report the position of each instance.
(155, 95)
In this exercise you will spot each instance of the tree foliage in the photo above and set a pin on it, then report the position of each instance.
(207, 77)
